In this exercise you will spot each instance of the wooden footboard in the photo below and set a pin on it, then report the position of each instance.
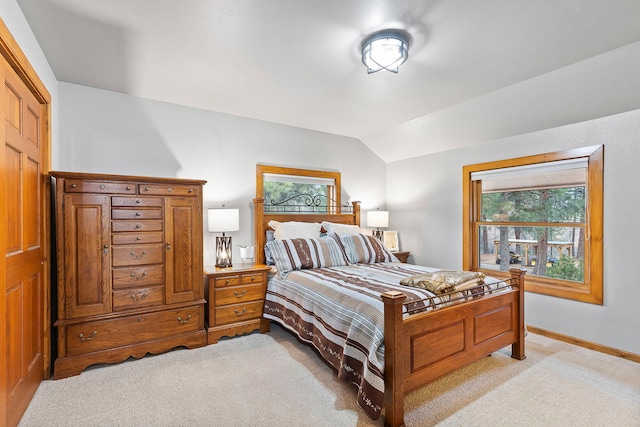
(422, 347)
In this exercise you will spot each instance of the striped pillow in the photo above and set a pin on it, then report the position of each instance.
(365, 249)
(306, 253)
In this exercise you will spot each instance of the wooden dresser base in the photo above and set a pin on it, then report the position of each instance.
(73, 365)
(217, 332)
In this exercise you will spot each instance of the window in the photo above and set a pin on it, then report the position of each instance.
(542, 213)
(290, 190)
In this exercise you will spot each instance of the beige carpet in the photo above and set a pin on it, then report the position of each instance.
(272, 380)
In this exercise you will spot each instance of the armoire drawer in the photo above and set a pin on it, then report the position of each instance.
(137, 254)
(105, 334)
(128, 299)
(136, 202)
(142, 276)
(133, 225)
(102, 187)
(128, 213)
(134, 238)
(169, 190)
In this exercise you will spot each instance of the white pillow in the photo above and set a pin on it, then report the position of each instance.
(295, 230)
(341, 229)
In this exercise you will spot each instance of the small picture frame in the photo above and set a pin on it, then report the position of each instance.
(390, 240)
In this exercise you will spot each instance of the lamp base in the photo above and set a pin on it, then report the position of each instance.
(378, 234)
(223, 252)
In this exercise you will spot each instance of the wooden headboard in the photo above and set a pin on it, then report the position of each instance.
(262, 218)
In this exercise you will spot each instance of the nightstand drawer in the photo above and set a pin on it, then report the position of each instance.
(239, 294)
(138, 297)
(220, 282)
(252, 278)
(238, 312)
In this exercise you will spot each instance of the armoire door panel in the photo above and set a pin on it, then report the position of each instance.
(183, 249)
(87, 254)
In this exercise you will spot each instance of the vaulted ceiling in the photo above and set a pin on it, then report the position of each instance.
(477, 70)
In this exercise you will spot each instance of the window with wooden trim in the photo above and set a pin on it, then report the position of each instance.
(298, 190)
(543, 213)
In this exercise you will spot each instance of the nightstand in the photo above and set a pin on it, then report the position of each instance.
(402, 255)
(235, 299)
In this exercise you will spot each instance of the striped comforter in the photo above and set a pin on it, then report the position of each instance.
(339, 311)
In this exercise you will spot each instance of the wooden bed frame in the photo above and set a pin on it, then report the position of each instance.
(422, 347)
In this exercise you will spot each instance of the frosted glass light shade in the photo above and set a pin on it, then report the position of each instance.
(378, 219)
(386, 50)
(221, 220)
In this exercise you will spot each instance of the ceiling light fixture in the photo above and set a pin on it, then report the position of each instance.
(385, 50)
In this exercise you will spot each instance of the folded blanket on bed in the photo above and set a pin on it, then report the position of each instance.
(444, 281)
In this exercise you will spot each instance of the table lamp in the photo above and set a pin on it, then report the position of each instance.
(378, 219)
(221, 221)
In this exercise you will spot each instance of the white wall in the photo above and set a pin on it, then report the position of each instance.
(20, 30)
(108, 132)
(424, 196)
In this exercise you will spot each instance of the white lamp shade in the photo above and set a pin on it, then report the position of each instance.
(378, 219)
(221, 220)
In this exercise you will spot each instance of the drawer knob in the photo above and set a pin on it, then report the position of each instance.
(105, 249)
(136, 298)
(138, 238)
(253, 278)
(191, 190)
(146, 188)
(240, 294)
(169, 189)
(181, 320)
(240, 312)
(138, 201)
(138, 226)
(74, 185)
(138, 214)
(226, 282)
(128, 187)
(102, 186)
(89, 338)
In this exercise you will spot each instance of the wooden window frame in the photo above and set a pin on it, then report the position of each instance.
(591, 290)
(333, 191)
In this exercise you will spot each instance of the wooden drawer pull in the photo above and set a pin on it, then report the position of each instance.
(240, 294)
(133, 276)
(136, 298)
(89, 338)
(240, 312)
(133, 255)
(181, 320)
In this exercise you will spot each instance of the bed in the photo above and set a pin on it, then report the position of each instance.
(386, 338)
